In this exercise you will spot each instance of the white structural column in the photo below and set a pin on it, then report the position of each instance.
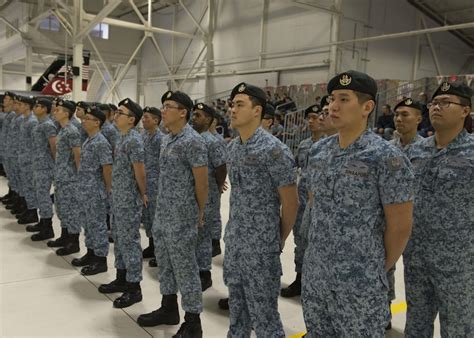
(432, 49)
(416, 57)
(335, 25)
(28, 66)
(1, 74)
(263, 36)
(211, 5)
(77, 52)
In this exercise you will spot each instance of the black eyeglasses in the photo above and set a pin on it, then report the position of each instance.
(120, 112)
(442, 104)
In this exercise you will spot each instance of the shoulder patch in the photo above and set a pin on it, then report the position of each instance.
(277, 152)
(395, 163)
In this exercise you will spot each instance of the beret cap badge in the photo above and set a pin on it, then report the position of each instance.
(445, 87)
(241, 88)
(345, 80)
(169, 94)
(200, 106)
(315, 108)
(408, 102)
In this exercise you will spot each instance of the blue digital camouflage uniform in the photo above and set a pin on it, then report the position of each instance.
(152, 167)
(111, 133)
(77, 123)
(216, 227)
(216, 158)
(5, 145)
(391, 273)
(344, 283)
(13, 145)
(3, 115)
(65, 179)
(127, 205)
(252, 267)
(438, 260)
(25, 157)
(96, 152)
(298, 231)
(176, 217)
(43, 165)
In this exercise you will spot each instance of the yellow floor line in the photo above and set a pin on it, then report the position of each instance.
(395, 308)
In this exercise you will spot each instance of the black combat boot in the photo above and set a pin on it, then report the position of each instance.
(72, 246)
(97, 265)
(11, 200)
(223, 303)
(84, 260)
(19, 206)
(167, 314)
(216, 247)
(60, 241)
(191, 328)
(46, 231)
(132, 295)
(294, 289)
(150, 251)
(206, 280)
(30, 216)
(6, 197)
(35, 228)
(152, 263)
(119, 284)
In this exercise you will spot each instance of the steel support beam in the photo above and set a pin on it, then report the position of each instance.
(432, 49)
(192, 18)
(335, 26)
(263, 23)
(192, 68)
(416, 58)
(98, 18)
(28, 67)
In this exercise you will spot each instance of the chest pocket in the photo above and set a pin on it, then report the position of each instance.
(355, 185)
(319, 180)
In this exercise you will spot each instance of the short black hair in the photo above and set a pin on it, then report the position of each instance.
(464, 101)
(256, 102)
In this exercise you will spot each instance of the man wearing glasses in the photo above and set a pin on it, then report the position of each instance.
(129, 196)
(312, 116)
(361, 192)
(95, 179)
(181, 200)
(438, 261)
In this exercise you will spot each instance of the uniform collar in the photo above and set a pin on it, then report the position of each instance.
(255, 136)
(361, 142)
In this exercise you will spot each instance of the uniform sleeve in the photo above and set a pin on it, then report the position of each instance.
(105, 153)
(216, 154)
(50, 130)
(136, 150)
(74, 138)
(396, 179)
(281, 165)
(196, 153)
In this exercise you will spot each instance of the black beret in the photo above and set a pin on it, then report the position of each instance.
(11, 95)
(26, 99)
(250, 90)
(454, 88)
(44, 102)
(95, 111)
(354, 80)
(409, 102)
(82, 104)
(179, 97)
(133, 107)
(112, 106)
(152, 110)
(103, 106)
(315, 109)
(324, 101)
(268, 111)
(71, 105)
(205, 108)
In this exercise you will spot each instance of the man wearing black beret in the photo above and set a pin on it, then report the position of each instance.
(152, 140)
(109, 130)
(438, 259)
(11, 196)
(95, 179)
(264, 202)
(44, 145)
(360, 217)
(182, 197)
(312, 117)
(203, 116)
(268, 116)
(129, 197)
(408, 115)
(25, 155)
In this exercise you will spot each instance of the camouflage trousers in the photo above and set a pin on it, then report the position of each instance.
(216, 221)
(253, 281)
(431, 291)
(27, 182)
(95, 227)
(149, 213)
(329, 313)
(67, 208)
(43, 180)
(14, 175)
(127, 249)
(175, 252)
(300, 231)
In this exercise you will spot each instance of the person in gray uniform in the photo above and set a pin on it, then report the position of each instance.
(263, 207)
(81, 107)
(312, 116)
(182, 196)
(129, 197)
(44, 146)
(203, 115)
(68, 153)
(95, 180)
(361, 192)
(438, 261)
(10, 114)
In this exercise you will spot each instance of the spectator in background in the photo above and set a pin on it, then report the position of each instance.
(385, 125)
(277, 128)
(426, 129)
